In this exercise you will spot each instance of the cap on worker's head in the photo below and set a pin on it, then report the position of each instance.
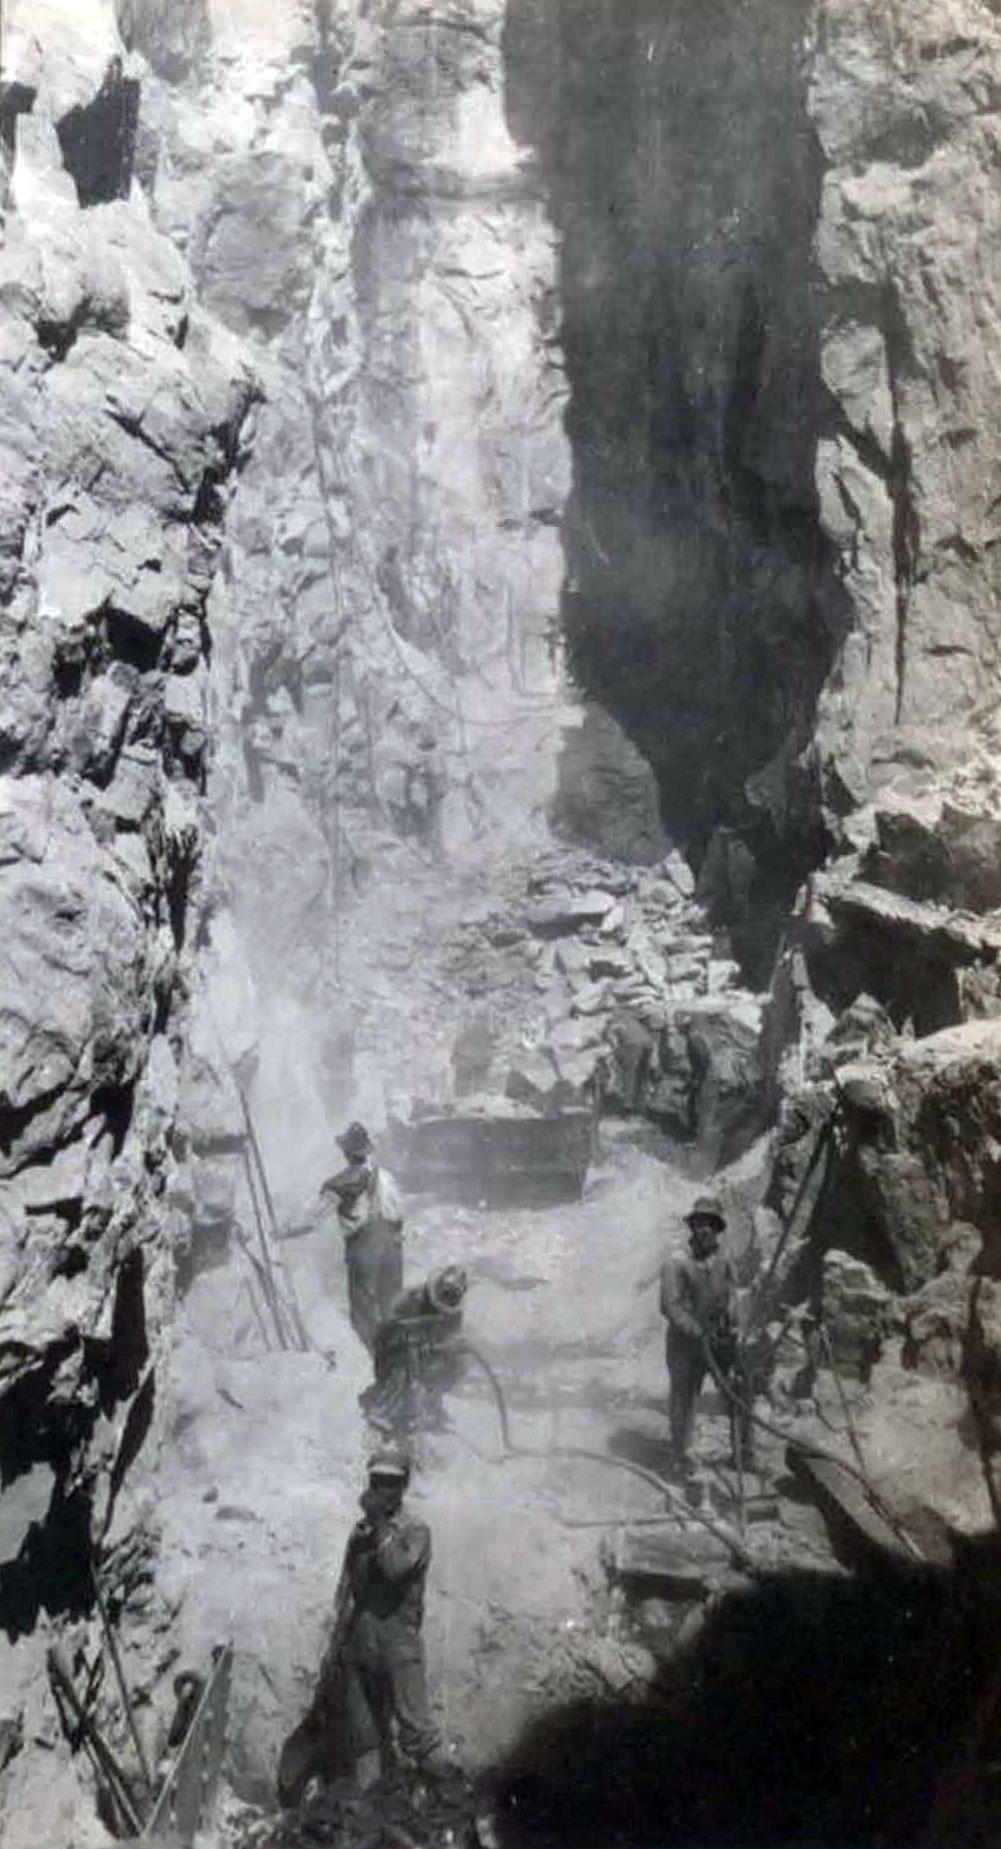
(447, 1288)
(355, 1140)
(707, 1208)
(389, 1466)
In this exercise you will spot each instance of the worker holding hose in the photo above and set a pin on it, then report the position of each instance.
(371, 1697)
(698, 1302)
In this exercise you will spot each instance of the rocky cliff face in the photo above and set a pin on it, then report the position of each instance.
(351, 202)
(125, 415)
(684, 175)
(780, 546)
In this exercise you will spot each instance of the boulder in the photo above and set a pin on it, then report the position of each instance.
(614, 922)
(614, 963)
(723, 1042)
(685, 969)
(590, 999)
(855, 1308)
(936, 1325)
(923, 1130)
(931, 848)
(556, 916)
(913, 956)
(573, 959)
(678, 874)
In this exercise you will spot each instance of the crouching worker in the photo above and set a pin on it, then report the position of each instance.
(370, 1712)
(418, 1356)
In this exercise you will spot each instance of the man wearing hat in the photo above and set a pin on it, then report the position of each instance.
(418, 1354)
(383, 1665)
(697, 1294)
(371, 1219)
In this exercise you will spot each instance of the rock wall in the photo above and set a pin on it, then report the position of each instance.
(781, 552)
(684, 175)
(126, 411)
(346, 190)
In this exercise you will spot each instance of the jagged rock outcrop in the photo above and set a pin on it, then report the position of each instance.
(125, 417)
(780, 539)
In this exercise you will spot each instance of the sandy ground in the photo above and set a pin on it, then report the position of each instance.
(253, 1482)
(261, 1455)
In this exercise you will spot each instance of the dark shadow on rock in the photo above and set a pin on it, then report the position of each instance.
(98, 139)
(642, 1448)
(812, 1710)
(701, 605)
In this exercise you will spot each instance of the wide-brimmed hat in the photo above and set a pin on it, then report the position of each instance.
(447, 1288)
(706, 1207)
(355, 1140)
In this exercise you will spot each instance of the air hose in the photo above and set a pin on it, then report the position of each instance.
(721, 1530)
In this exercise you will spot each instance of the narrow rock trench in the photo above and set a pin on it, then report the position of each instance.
(497, 624)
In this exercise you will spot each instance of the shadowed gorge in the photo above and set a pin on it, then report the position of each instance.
(684, 174)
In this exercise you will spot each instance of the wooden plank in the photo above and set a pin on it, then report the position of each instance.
(678, 1563)
(850, 1511)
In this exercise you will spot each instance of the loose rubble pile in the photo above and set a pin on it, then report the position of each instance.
(639, 1008)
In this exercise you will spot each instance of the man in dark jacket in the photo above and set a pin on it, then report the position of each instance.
(383, 1665)
(418, 1355)
(697, 1298)
(371, 1219)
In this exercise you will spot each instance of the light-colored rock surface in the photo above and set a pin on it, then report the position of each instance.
(120, 400)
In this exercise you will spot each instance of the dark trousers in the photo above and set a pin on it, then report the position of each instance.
(688, 1365)
(385, 1679)
(374, 1260)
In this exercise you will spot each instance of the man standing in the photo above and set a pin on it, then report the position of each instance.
(371, 1219)
(383, 1665)
(418, 1355)
(697, 1298)
(634, 1050)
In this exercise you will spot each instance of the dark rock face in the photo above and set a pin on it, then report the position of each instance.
(98, 141)
(684, 174)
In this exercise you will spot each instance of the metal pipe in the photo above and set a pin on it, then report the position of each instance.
(116, 1661)
(62, 1683)
(263, 1265)
(292, 1305)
